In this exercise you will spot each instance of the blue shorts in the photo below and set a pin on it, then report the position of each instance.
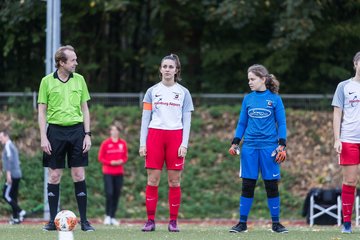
(255, 160)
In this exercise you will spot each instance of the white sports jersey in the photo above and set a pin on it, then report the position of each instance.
(168, 105)
(347, 97)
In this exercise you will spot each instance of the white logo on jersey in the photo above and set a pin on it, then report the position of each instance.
(259, 113)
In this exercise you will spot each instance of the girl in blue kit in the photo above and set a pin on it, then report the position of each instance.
(262, 124)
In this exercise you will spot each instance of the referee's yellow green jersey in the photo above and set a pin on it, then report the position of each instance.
(63, 99)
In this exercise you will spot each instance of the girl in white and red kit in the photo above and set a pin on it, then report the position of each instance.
(165, 129)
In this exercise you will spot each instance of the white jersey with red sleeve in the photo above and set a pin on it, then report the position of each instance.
(167, 105)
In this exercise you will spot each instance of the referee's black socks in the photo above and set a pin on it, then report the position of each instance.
(81, 198)
(53, 199)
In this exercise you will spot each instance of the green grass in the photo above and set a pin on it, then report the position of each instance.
(193, 232)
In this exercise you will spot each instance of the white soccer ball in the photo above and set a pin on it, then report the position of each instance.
(65, 221)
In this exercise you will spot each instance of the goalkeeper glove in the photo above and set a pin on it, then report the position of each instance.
(234, 150)
(280, 153)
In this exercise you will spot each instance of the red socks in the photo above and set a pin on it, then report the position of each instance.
(347, 197)
(151, 195)
(152, 199)
(174, 202)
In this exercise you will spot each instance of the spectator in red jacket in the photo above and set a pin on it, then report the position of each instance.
(113, 155)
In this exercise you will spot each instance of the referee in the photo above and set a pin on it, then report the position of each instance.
(63, 97)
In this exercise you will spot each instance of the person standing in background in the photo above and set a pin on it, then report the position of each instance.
(113, 154)
(13, 174)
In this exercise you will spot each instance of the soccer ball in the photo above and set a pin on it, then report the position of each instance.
(65, 221)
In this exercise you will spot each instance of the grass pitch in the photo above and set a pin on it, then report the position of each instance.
(188, 231)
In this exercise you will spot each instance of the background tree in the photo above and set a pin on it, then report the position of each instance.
(308, 45)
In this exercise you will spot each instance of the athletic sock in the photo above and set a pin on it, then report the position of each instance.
(347, 197)
(274, 207)
(174, 202)
(244, 208)
(151, 201)
(53, 199)
(81, 198)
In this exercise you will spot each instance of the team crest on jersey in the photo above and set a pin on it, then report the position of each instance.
(176, 96)
(269, 103)
(121, 147)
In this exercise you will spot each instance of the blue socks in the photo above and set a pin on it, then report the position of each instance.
(244, 208)
(274, 207)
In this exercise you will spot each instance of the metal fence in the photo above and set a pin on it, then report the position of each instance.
(296, 101)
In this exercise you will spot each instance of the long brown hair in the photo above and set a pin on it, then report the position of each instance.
(175, 58)
(271, 82)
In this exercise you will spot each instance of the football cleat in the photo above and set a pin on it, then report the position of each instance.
(149, 226)
(240, 227)
(173, 226)
(107, 220)
(86, 227)
(346, 228)
(22, 215)
(279, 228)
(50, 226)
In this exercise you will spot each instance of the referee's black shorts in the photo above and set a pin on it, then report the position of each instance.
(66, 140)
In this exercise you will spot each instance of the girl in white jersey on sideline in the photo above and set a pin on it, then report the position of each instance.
(164, 136)
(346, 125)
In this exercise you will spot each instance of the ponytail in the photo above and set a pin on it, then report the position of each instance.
(271, 82)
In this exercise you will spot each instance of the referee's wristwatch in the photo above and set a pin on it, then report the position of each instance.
(88, 133)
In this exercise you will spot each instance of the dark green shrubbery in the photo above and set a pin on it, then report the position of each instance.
(211, 186)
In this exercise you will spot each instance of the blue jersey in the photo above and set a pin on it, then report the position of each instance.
(262, 120)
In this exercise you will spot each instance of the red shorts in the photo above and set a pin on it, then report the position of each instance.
(162, 146)
(350, 154)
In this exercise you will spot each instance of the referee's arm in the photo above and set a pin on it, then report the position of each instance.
(86, 118)
(45, 144)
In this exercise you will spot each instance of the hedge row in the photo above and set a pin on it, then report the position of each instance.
(210, 183)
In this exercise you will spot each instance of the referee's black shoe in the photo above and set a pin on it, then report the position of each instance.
(86, 227)
(240, 227)
(279, 228)
(50, 226)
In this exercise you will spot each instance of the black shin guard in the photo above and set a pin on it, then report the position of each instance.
(248, 187)
(272, 189)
